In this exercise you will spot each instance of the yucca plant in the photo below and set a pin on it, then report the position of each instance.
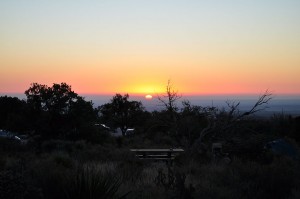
(91, 182)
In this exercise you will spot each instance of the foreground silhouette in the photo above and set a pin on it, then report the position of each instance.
(67, 156)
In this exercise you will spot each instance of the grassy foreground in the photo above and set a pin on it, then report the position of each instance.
(65, 169)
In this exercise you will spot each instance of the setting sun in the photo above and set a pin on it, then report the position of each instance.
(148, 97)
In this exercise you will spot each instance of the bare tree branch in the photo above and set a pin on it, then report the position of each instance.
(170, 98)
(262, 100)
(233, 116)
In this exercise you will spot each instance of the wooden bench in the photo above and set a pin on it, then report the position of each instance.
(157, 154)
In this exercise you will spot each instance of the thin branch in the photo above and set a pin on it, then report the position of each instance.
(232, 119)
(262, 100)
(169, 98)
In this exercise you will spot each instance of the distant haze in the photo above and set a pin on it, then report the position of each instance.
(287, 104)
(279, 104)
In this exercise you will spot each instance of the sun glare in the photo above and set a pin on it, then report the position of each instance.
(144, 89)
(148, 97)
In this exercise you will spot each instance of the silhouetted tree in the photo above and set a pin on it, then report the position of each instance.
(13, 112)
(121, 112)
(235, 128)
(170, 114)
(36, 95)
(170, 98)
(57, 109)
(222, 121)
(55, 99)
(192, 119)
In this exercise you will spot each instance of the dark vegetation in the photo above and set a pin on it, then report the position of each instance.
(63, 154)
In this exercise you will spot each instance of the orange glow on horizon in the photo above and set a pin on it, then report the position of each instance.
(240, 48)
(148, 97)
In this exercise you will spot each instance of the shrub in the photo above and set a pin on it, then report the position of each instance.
(248, 179)
(89, 182)
(49, 174)
(10, 145)
(15, 185)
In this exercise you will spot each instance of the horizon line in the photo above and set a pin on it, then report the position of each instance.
(179, 93)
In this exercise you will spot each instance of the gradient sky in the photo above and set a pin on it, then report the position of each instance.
(135, 46)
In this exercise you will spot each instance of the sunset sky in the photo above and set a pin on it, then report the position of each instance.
(136, 46)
